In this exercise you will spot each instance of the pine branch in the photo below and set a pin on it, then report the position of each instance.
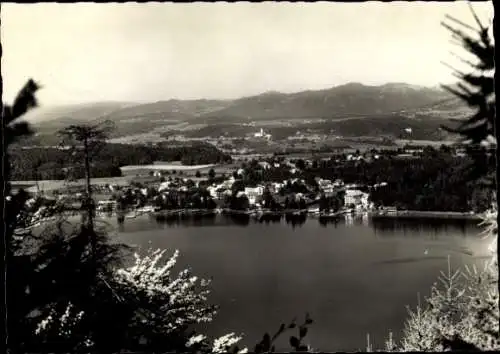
(24, 101)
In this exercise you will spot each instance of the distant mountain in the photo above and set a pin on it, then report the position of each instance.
(339, 101)
(353, 100)
(171, 109)
(76, 112)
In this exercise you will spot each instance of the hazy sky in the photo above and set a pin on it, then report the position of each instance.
(149, 52)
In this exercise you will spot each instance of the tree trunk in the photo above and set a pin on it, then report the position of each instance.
(6, 229)
(89, 201)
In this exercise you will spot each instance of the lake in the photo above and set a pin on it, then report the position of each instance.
(354, 277)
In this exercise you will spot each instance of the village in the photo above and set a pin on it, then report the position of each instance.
(258, 185)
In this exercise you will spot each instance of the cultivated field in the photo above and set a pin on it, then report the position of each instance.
(403, 142)
(51, 185)
(167, 167)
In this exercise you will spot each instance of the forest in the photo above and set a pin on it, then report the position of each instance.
(52, 163)
(437, 181)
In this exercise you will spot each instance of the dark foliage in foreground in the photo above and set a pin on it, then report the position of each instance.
(266, 345)
(13, 129)
(466, 318)
(68, 289)
(477, 89)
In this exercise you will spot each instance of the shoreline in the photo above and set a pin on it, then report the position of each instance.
(403, 214)
(425, 214)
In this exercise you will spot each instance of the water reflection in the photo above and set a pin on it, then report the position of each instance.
(241, 220)
(331, 222)
(295, 220)
(387, 227)
(381, 227)
(333, 266)
(409, 260)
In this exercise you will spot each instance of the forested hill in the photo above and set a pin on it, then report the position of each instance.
(342, 101)
(352, 99)
(51, 163)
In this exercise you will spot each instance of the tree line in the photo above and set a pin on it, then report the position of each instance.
(438, 181)
(54, 163)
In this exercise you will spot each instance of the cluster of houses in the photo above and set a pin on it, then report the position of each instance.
(353, 196)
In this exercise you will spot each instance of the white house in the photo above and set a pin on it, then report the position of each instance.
(356, 197)
(324, 182)
(163, 186)
(275, 187)
(265, 165)
(259, 134)
(325, 185)
(338, 183)
(253, 193)
(213, 191)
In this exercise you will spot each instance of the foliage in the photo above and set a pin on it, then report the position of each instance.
(235, 202)
(64, 271)
(436, 182)
(52, 163)
(266, 345)
(17, 266)
(461, 312)
(211, 173)
(477, 89)
(334, 203)
(195, 198)
(169, 304)
(161, 310)
(12, 127)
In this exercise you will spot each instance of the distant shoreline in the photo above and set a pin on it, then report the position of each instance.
(424, 214)
(414, 214)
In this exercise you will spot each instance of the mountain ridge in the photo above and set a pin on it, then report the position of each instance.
(352, 100)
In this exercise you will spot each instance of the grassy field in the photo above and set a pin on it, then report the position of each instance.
(167, 167)
(187, 171)
(435, 144)
(51, 185)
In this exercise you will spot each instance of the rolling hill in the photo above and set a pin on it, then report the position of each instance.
(354, 106)
(337, 102)
(76, 112)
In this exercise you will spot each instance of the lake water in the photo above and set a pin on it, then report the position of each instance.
(354, 277)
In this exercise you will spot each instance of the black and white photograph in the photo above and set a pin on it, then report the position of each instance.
(249, 177)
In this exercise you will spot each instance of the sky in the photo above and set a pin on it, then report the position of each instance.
(87, 52)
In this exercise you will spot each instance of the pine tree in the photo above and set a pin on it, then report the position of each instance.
(464, 315)
(477, 90)
(17, 267)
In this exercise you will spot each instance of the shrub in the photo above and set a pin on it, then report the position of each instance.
(462, 313)
(161, 309)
